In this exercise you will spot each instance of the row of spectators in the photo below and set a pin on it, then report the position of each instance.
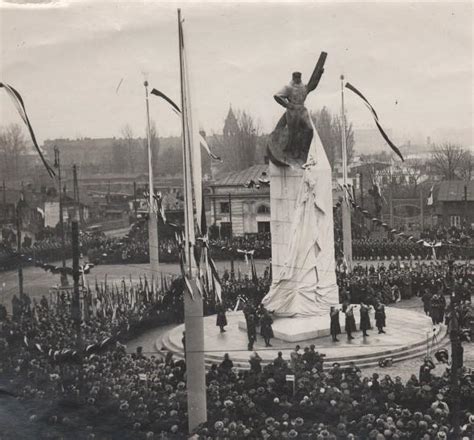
(403, 249)
(133, 248)
(395, 281)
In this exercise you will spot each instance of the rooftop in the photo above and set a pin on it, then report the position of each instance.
(453, 191)
(239, 178)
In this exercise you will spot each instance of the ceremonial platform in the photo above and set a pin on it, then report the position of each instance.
(408, 334)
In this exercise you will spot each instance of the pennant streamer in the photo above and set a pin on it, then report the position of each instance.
(20, 106)
(177, 110)
(376, 119)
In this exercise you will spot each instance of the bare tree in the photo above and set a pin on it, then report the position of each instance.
(237, 147)
(449, 161)
(329, 128)
(129, 143)
(415, 170)
(12, 148)
(467, 166)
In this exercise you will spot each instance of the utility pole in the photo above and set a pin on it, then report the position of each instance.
(135, 199)
(465, 205)
(4, 202)
(422, 209)
(57, 164)
(18, 241)
(76, 305)
(346, 213)
(232, 267)
(77, 202)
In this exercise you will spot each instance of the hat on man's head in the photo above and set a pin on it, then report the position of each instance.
(296, 74)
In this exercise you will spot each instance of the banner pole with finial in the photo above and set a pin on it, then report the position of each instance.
(345, 207)
(153, 208)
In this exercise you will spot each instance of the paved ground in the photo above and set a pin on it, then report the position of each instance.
(38, 282)
(403, 369)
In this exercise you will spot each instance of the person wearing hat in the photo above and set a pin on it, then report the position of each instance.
(348, 310)
(221, 319)
(425, 370)
(364, 319)
(266, 330)
(335, 327)
(251, 330)
(380, 318)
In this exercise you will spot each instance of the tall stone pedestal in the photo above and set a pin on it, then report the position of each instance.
(285, 184)
(303, 262)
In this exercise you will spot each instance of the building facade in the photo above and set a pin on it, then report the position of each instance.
(238, 203)
(453, 203)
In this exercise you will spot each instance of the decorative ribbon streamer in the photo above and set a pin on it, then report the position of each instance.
(178, 112)
(20, 106)
(376, 119)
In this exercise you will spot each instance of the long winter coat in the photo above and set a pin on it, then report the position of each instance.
(266, 329)
(335, 326)
(364, 318)
(350, 320)
(380, 316)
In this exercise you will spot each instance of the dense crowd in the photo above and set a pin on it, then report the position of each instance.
(394, 281)
(453, 243)
(108, 394)
(384, 249)
(336, 404)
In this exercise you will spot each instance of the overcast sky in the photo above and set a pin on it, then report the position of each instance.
(414, 62)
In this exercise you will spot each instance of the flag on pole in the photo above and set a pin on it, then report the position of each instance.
(430, 197)
(20, 106)
(177, 111)
(376, 119)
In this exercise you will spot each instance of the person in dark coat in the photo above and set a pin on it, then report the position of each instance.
(348, 309)
(335, 326)
(380, 318)
(435, 307)
(251, 330)
(426, 299)
(255, 362)
(221, 320)
(226, 365)
(364, 318)
(266, 328)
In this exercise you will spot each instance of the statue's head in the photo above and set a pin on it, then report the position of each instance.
(296, 77)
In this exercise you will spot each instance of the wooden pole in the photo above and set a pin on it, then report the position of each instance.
(57, 164)
(152, 211)
(193, 306)
(76, 307)
(345, 207)
(18, 240)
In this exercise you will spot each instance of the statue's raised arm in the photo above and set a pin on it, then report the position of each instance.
(296, 120)
(317, 72)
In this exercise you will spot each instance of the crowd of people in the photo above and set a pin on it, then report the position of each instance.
(338, 403)
(95, 390)
(394, 281)
(453, 243)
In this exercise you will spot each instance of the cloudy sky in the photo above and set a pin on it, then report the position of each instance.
(414, 62)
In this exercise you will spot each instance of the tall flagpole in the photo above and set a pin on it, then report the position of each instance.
(153, 208)
(346, 212)
(193, 307)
